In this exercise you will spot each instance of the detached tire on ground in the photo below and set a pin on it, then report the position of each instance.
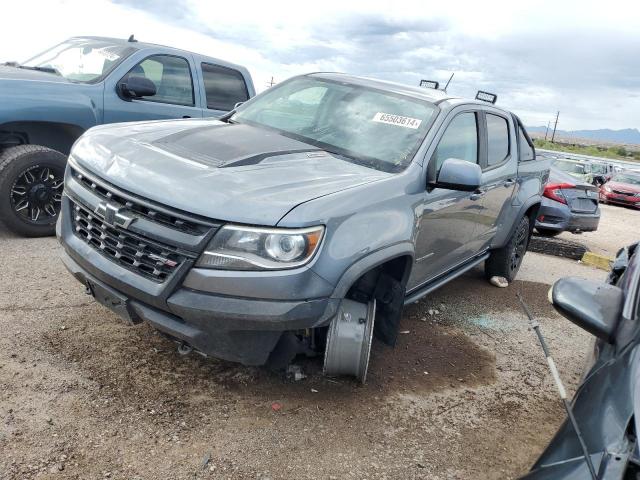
(31, 183)
(505, 262)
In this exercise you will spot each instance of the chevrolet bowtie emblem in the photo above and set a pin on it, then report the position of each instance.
(114, 215)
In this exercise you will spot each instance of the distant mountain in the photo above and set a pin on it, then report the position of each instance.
(627, 135)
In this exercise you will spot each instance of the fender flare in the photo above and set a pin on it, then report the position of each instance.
(501, 240)
(374, 259)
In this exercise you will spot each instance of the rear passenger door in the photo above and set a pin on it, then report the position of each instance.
(447, 218)
(175, 95)
(499, 162)
(223, 87)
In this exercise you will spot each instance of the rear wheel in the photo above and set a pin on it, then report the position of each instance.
(544, 232)
(31, 183)
(505, 262)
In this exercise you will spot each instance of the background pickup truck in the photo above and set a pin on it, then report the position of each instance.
(49, 101)
(302, 221)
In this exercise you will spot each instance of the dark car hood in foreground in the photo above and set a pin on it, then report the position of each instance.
(228, 172)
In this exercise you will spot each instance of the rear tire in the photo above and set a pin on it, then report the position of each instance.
(31, 183)
(544, 232)
(505, 262)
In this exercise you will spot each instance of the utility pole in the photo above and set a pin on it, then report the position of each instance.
(547, 132)
(555, 125)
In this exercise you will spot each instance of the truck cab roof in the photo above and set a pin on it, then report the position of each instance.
(429, 94)
(138, 45)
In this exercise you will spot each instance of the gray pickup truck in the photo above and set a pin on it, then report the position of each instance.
(47, 102)
(302, 221)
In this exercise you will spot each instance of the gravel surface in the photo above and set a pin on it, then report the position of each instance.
(465, 393)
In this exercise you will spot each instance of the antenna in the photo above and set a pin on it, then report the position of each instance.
(131, 39)
(449, 81)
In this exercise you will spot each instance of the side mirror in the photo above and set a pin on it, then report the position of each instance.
(137, 87)
(459, 175)
(593, 306)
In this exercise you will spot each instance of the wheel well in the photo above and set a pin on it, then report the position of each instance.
(386, 283)
(57, 136)
(532, 213)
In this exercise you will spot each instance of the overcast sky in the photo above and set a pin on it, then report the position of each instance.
(582, 58)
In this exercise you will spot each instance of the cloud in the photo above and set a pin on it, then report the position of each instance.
(539, 57)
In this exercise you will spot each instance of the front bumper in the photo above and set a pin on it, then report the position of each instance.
(559, 217)
(240, 327)
(627, 200)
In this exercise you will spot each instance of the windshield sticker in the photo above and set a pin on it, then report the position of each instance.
(399, 120)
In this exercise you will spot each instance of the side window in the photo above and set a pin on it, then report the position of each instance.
(460, 140)
(497, 139)
(526, 150)
(171, 76)
(223, 86)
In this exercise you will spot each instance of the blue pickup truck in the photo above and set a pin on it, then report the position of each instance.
(50, 100)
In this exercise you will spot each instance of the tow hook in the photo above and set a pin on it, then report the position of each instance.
(184, 348)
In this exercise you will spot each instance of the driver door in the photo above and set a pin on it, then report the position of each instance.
(447, 218)
(175, 96)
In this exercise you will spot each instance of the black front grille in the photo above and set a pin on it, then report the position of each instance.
(173, 221)
(152, 260)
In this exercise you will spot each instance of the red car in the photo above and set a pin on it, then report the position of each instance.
(623, 188)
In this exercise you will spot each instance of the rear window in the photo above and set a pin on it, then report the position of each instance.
(224, 87)
(497, 139)
(526, 149)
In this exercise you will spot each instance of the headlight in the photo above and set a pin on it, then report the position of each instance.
(251, 248)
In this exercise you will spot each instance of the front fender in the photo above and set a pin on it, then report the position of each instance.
(51, 102)
(369, 262)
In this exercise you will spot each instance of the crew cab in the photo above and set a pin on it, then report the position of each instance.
(47, 102)
(302, 221)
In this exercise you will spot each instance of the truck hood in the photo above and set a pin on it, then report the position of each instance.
(15, 73)
(228, 172)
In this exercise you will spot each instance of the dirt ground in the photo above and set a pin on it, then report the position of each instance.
(465, 393)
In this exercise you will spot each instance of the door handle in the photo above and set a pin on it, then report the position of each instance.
(186, 116)
(509, 182)
(477, 195)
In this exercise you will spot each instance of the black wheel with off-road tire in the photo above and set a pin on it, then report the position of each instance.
(505, 262)
(545, 232)
(31, 183)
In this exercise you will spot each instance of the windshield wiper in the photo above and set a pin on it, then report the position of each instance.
(42, 69)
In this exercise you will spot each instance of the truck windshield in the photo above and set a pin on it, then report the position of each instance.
(80, 59)
(372, 127)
